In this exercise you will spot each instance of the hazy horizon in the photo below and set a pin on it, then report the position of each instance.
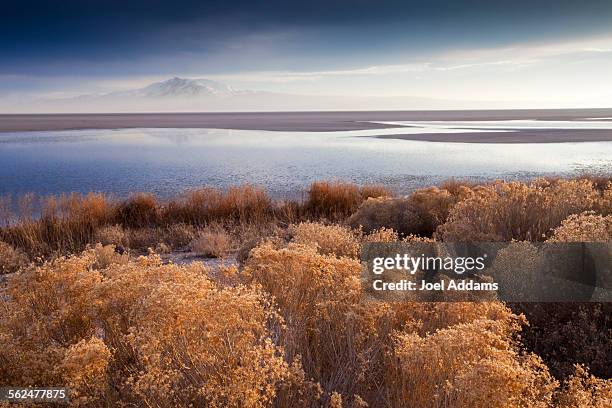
(322, 55)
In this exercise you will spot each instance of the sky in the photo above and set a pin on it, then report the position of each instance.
(520, 53)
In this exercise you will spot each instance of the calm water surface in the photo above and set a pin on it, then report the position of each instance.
(167, 161)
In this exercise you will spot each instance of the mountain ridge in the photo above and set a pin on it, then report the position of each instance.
(177, 86)
(178, 94)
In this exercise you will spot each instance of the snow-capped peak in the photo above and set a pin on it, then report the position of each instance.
(176, 86)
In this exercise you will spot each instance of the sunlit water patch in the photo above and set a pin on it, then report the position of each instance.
(501, 125)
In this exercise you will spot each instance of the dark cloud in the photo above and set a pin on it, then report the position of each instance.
(58, 36)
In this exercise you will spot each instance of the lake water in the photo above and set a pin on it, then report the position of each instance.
(167, 161)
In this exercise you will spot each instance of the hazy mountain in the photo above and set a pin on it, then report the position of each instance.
(204, 95)
(171, 95)
(183, 87)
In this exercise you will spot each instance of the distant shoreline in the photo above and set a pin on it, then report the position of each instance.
(521, 136)
(325, 122)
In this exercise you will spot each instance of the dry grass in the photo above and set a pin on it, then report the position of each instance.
(332, 200)
(397, 214)
(505, 211)
(141, 239)
(289, 327)
(374, 191)
(337, 200)
(418, 214)
(585, 227)
(111, 235)
(328, 331)
(139, 334)
(10, 259)
(328, 239)
(243, 204)
(106, 255)
(381, 235)
(438, 355)
(584, 390)
(139, 211)
(484, 369)
(46, 226)
(212, 242)
(65, 224)
(179, 235)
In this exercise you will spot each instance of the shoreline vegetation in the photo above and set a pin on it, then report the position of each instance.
(91, 299)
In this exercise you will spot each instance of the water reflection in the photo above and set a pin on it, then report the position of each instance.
(166, 161)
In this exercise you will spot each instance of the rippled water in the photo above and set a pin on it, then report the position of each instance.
(167, 161)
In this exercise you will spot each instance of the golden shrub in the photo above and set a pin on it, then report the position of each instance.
(290, 329)
(47, 310)
(299, 277)
(585, 227)
(179, 235)
(335, 401)
(335, 335)
(435, 204)
(329, 239)
(144, 333)
(381, 235)
(212, 242)
(142, 238)
(192, 341)
(474, 364)
(106, 255)
(584, 390)
(347, 345)
(227, 275)
(458, 188)
(332, 200)
(11, 259)
(389, 235)
(139, 210)
(398, 214)
(139, 333)
(205, 346)
(374, 191)
(416, 238)
(418, 214)
(504, 211)
(84, 371)
(111, 235)
(244, 251)
(429, 317)
(298, 391)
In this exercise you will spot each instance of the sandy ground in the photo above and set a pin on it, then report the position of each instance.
(186, 257)
(322, 121)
